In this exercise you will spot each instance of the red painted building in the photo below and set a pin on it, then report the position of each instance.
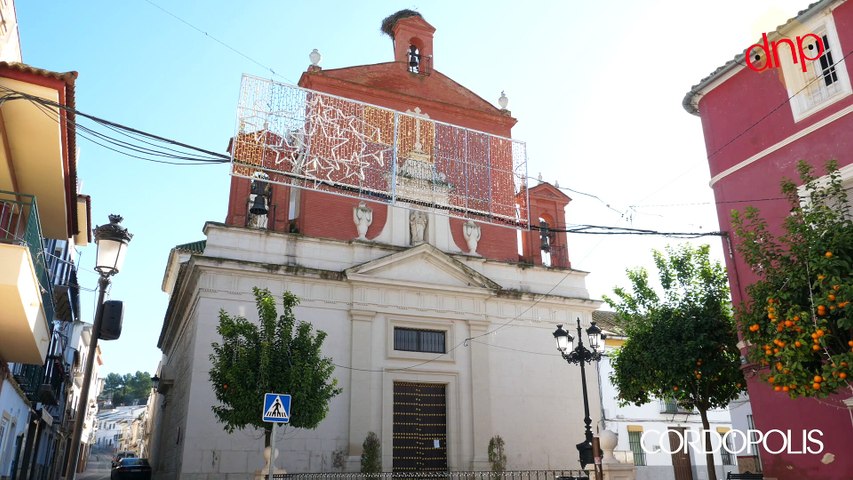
(757, 126)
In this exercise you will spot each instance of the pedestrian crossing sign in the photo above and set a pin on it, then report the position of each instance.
(276, 408)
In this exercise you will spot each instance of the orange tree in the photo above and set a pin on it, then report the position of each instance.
(279, 355)
(682, 344)
(797, 317)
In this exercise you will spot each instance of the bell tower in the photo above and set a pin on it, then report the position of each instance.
(544, 243)
(412, 40)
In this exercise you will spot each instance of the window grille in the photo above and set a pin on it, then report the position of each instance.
(637, 448)
(415, 340)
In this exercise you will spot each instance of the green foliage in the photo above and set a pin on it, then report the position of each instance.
(280, 355)
(497, 454)
(680, 345)
(371, 454)
(127, 389)
(683, 344)
(797, 316)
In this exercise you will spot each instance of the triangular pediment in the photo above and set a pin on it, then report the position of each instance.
(546, 190)
(422, 266)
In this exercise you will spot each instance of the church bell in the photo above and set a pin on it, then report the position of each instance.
(259, 206)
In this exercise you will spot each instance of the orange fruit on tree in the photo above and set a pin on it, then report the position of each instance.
(842, 375)
(816, 386)
(850, 343)
(830, 297)
(828, 254)
(798, 344)
(820, 332)
(815, 347)
(818, 379)
(785, 388)
(777, 388)
(770, 379)
(788, 323)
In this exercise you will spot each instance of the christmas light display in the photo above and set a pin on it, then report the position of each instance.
(307, 139)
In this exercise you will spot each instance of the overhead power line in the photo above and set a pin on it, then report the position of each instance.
(208, 35)
(124, 139)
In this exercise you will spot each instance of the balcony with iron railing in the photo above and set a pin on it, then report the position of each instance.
(26, 291)
(669, 405)
(28, 377)
(38, 386)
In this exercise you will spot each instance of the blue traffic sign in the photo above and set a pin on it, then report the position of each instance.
(276, 408)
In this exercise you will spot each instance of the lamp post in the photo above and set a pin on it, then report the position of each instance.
(112, 240)
(581, 355)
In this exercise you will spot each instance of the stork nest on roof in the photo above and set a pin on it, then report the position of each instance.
(388, 23)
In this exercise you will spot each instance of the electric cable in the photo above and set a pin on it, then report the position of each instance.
(49, 107)
(229, 47)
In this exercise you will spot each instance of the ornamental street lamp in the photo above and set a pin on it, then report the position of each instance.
(581, 355)
(112, 240)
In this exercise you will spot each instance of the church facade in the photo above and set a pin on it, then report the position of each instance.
(439, 329)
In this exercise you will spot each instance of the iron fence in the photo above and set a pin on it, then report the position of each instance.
(469, 475)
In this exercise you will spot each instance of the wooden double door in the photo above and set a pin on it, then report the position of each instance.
(420, 427)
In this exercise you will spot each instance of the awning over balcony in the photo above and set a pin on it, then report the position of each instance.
(24, 330)
(37, 144)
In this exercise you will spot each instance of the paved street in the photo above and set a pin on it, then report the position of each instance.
(97, 469)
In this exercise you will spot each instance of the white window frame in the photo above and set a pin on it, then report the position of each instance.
(420, 324)
(803, 87)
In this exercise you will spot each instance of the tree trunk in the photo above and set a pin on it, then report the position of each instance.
(709, 452)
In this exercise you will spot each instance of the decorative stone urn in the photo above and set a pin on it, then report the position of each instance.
(607, 440)
(264, 473)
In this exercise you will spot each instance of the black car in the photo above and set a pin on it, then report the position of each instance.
(121, 455)
(131, 468)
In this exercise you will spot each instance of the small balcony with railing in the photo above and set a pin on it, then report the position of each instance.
(669, 405)
(40, 383)
(26, 292)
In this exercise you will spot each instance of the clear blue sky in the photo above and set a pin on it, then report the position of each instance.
(596, 87)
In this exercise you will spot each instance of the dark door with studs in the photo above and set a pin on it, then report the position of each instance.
(420, 427)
